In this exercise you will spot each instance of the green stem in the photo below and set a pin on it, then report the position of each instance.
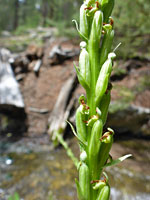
(68, 150)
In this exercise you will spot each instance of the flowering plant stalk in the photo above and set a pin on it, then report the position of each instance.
(95, 67)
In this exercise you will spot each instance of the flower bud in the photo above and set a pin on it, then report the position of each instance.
(104, 150)
(104, 193)
(96, 30)
(81, 126)
(91, 121)
(84, 64)
(106, 44)
(84, 22)
(99, 185)
(108, 139)
(103, 78)
(83, 156)
(94, 44)
(91, 12)
(94, 147)
(101, 87)
(84, 180)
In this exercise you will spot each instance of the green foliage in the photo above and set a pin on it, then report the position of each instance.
(31, 13)
(15, 196)
(132, 27)
(131, 17)
(131, 20)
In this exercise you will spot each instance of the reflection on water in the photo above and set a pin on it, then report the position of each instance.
(37, 172)
(116, 195)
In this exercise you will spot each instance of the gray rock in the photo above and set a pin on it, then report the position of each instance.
(130, 121)
(9, 88)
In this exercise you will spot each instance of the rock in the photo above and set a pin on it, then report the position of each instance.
(12, 122)
(9, 88)
(5, 34)
(120, 70)
(12, 113)
(132, 121)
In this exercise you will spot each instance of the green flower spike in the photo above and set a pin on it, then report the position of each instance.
(94, 71)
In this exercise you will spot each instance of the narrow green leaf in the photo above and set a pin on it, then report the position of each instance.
(81, 35)
(67, 148)
(115, 162)
(83, 143)
(16, 196)
(10, 198)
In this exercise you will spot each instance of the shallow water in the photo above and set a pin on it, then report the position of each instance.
(37, 172)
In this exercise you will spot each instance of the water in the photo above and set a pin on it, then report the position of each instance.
(36, 172)
(116, 194)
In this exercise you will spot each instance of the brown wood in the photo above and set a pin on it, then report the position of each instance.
(61, 112)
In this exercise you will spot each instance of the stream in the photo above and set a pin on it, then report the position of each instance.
(36, 171)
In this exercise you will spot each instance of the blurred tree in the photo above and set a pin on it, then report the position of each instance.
(16, 14)
(45, 9)
(131, 16)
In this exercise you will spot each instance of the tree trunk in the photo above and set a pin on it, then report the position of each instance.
(16, 14)
(45, 7)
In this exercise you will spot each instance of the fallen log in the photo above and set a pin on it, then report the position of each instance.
(37, 67)
(37, 110)
(61, 112)
(58, 55)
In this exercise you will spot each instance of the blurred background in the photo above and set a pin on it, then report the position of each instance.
(39, 91)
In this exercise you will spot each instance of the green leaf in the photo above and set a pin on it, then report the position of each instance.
(14, 197)
(115, 162)
(83, 143)
(81, 35)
